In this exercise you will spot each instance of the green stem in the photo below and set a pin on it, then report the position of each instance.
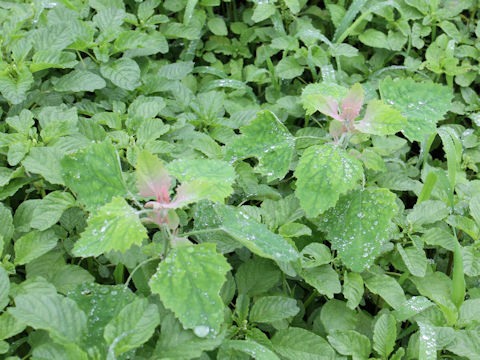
(138, 267)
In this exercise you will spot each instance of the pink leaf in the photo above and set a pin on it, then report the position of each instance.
(152, 177)
(352, 103)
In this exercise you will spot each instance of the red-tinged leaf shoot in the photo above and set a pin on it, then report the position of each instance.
(152, 177)
(352, 103)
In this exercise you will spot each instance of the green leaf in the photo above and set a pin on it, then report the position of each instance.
(351, 343)
(33, 245)
(428, 342)
(323, 97)
(9, 325)
(423, 104)
(80, 80)
(335, 315)
(263, 11)
(475, 208)
(177, 343)
(288, 68)
(202, 179)
(236, 224)
(21, 123)
(252, 348)
(60, 316)
(324, 172)
(177, 70)
(189, 282)
(217, 26)
(123, 72)
(413, 306)
(353, 289)
(50, 209)
(381, 119)
(14, 87)
(132, 327)
(427, 212)
(388, 288)
(384, 335)
(102, 303)
(116, 226)
(256, 276)
(94, 174)
(4, 288)
(359, 225)
(269, 141)
(415, 260)
(269, 309)
(374, 38)
(300, 344)
(315, 254)
(324, 279)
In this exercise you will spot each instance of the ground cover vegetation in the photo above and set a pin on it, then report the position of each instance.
(207, 179)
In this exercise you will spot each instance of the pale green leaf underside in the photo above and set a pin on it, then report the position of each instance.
(381, 119)
(423, 104)
(116, 226)
(358, 226)
(267, 139)
(210, 179)
(248, 232)
(324, 172)
(94, 174)
(189, 282)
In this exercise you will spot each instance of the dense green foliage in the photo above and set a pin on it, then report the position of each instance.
(226, 179)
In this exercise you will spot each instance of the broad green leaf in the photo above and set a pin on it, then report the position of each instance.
(323, 97)
(267, 139)
(55, 351)
(202, 179)
(60, 316)
(123, 72)
(414, 259)
(315, 254)
(381, 119)
(466, 344)
(263, 11)
(413, 306)
(324, 172)
(50, 209)
(300, 344)
(475, 208)
(273, 308)
(351, 343)
(353, 289)
(288, 68)
(292, 230)
(132, 327)
(469, 312)
(256, 276)
(9, 325)
(152, 177)
(358, 226)
(177, 343)
(101, 303)
(374, 38)
(293, 5)
(94, 174)
(4, 288)
(33, 245)
(217, 26)
(428, 342)
(144, 108)
(116, 226)
(22, 122)
(335, 315)
(252, 348)
(14, 86)
(68, 277)
(384, 335)
(176, 71)
(189, 282)
(324, 279)
(236, 224)
(80, 80)
(388, 288)
(422, 104)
